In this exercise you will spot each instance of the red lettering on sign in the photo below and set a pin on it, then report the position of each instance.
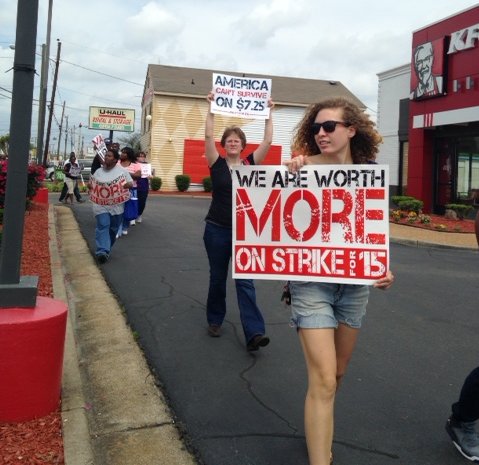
(350, 215)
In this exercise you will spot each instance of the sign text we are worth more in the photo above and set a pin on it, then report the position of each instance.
(324, 223)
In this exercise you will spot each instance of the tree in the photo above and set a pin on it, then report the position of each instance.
(5, 144)
(132, 140)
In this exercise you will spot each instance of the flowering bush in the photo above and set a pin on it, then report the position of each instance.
(424, 219)
(396, 215)
(36, 174)
(411, 217)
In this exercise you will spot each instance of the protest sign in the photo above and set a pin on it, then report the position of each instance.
(324, 223)
(145, 170)
(109, 193)
(75, 171)
(100, 146)
(245, 97)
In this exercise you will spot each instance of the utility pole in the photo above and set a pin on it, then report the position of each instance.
(72, 139)
(66, 138)
(42, 104)
(79, 139)
(52, 105)
(43, 87)
(61, 125)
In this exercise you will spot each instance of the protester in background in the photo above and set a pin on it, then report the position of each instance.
(97, 161)
(218, 230)
(462, 424)
(76, 190)
(143, 187)
(128, 161)
(71, 169)
(109, 215)
(328, 315)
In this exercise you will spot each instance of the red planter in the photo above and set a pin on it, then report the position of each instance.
(41, 196)
(31, 347)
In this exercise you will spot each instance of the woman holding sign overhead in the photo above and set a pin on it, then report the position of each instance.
(328, 315)
(218, 229)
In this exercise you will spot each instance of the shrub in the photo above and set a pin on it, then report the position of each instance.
(182, 182)
(207, 184)
(155, 183)
(396, 215)
(412, 217)
(411, 205)
(36, 175)
(395, 199)
(424, 219)
(54, 186)
(461, 209)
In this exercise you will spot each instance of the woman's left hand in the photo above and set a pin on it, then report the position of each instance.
(386, 282)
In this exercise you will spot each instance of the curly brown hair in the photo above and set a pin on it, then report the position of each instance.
(233, 130)
(364, 145)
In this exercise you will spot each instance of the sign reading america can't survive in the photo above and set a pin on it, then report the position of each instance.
(324, 223)
(244, 97)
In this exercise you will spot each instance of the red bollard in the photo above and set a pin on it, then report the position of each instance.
(31, 358)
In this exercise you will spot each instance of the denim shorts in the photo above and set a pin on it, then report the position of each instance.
(325, 305)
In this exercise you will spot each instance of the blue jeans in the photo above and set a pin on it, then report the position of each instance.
(218, 244)
(142, 196)
(105, 232)
(467, 408)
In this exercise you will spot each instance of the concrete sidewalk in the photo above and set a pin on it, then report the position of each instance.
(113, 411)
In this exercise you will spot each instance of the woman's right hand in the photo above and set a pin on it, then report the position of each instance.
(296, 163)
(211, 96)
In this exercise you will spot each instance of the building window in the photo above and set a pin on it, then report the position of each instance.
(403, 166)
(468, 170)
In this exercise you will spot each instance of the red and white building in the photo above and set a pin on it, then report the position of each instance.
(428, 114)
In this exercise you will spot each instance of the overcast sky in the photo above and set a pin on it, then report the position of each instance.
(342, 40)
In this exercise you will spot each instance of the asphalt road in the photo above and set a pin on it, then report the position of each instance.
(418, 343)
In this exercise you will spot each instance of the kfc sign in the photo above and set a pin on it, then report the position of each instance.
(463, 39)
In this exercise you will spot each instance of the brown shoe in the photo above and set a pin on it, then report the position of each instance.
(258, 341)
(214, 331)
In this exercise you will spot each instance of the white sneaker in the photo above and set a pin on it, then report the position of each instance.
(464, 436)
(132, 223)
(125, 232)
(139, 220)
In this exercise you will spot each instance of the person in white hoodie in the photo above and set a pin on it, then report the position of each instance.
(109, 190)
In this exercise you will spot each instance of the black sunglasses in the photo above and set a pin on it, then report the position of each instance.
(328, 126)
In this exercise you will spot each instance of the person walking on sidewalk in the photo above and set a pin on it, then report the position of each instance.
(328, 316)
(76, 190)
(218, 234)
(72, 170)
(143, 187)
(128, 162)
(463, 422)
(109, 190)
